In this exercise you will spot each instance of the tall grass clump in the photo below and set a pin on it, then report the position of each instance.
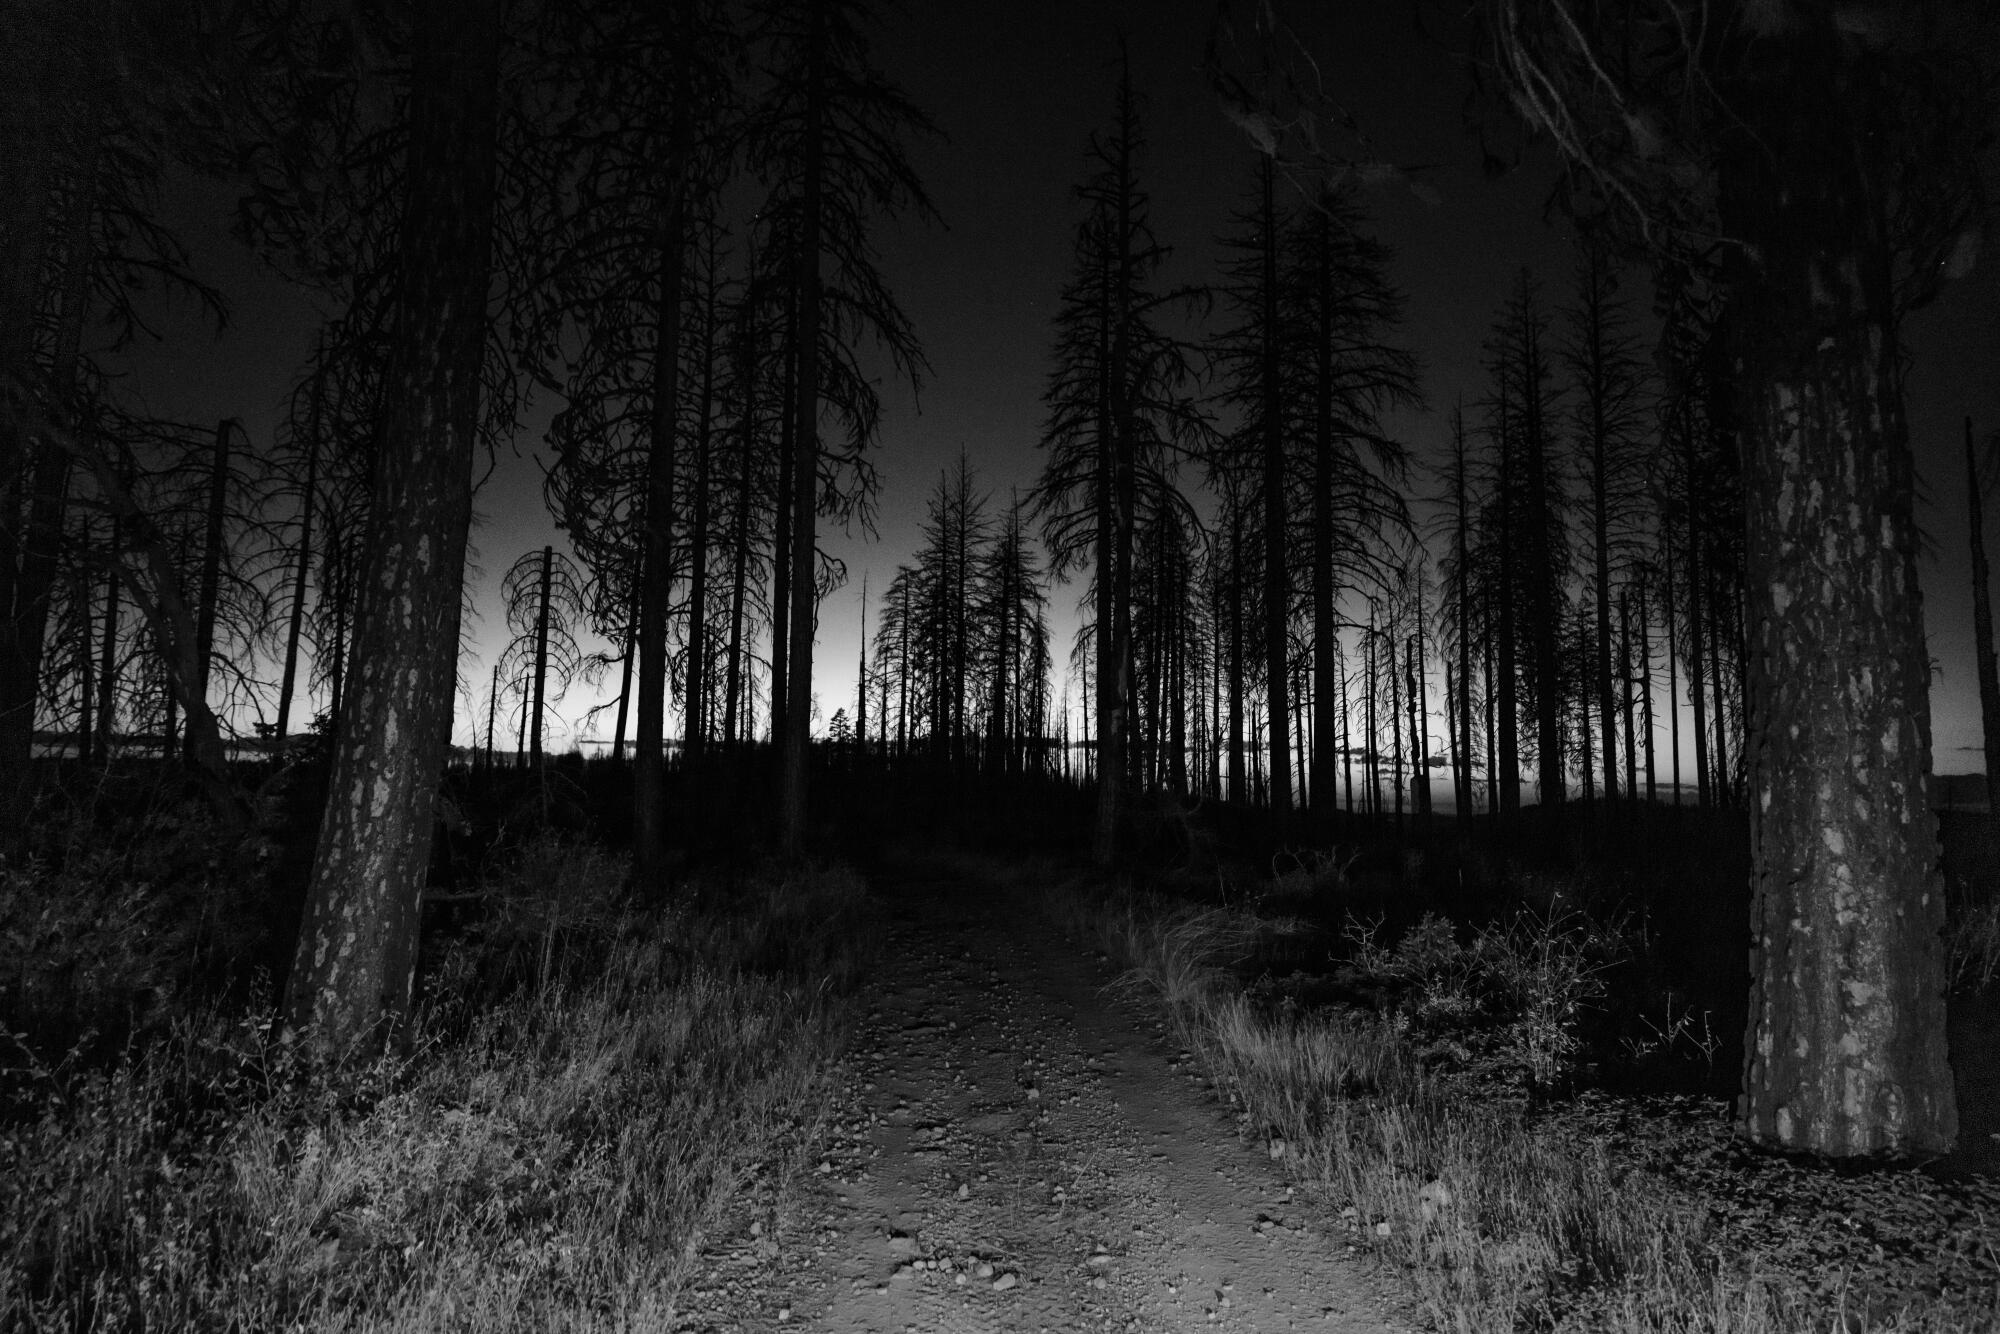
(553, 1157)
(1972, 944)
(1502, 1220)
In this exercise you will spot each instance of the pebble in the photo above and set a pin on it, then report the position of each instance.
(1005, 1281)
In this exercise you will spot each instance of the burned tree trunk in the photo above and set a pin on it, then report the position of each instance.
(1982, 630)
(352, 978)
(1845, 1054)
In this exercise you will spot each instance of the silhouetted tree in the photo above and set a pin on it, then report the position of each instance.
(1982, 619)
(1118, 408)
(828, 138)
(1607, 416)
(546, 600)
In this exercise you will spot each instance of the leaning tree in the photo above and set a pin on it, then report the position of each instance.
(356, 955)
(1821, 161)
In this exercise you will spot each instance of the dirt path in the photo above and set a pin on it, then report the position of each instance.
(1023, 1152)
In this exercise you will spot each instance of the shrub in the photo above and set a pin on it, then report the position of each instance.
(552, 1160)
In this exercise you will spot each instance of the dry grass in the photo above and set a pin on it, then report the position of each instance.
(550, 1161)
(1502, 1221)
(1972, 945)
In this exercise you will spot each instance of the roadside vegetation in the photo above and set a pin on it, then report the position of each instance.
(1436, 1089)
(586, 1093)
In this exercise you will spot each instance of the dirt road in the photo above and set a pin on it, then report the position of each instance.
(1023, 1152)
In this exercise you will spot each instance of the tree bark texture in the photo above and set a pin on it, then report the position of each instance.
(1982, 631)
(351, 979)
(1845, 1054)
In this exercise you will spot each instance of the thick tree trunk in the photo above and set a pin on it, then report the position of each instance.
(1982, 631)
(1845, 1054)
(351, 980)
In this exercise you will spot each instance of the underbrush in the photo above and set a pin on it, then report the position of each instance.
(587, 1095)
(1449, 1162)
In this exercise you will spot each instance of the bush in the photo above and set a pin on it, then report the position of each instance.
(1535, 973)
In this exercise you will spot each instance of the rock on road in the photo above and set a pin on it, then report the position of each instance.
(1026, 1153)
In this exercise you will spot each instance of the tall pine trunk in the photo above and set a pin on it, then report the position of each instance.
(1277, 587)
(352, 977)
(695, 740)
(107, 645)
(781, 506)
(1508, 667)
(1982, 631)
(649, 778)
(804, 499)
(1462, 523)
(207, 607)
(1691, 588)
(1595, 283)
(1845, 1054)
(25, 593)
(541, 656)
(308, 494)
(28, 141)
(1326, 626)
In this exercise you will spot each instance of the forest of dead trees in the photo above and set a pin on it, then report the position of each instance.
(658, 218)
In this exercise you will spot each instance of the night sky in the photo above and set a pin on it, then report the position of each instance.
(1017, 90)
